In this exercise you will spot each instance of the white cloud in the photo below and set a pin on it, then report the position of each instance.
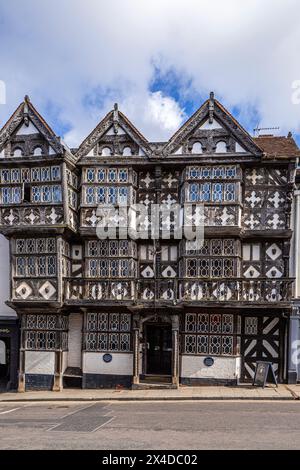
(247, 52)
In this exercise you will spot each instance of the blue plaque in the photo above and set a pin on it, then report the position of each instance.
(107, 358)
(209, 361)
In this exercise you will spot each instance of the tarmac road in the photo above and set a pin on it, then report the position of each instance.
(145, 425)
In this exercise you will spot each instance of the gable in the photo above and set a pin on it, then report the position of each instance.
(25, 131)
(115, 136)
(212, 129)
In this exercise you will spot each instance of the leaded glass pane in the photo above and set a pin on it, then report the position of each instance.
(203, 323)
(204, 267)
(103, 268)
(216, 267)
(42, 266)
(45, 174)
(215, 345)
(251, 325)
(202, 344)
(103, 321)
(124, 248)
(21, 266)
(35, 175)
(229, 192)
(205, 192)
(41, 339)
(41, 322)
(89, 195)
(51, 340)
(30, 338)
(90, 175)
(191, 267)
(51, 245)
(191, 322)
(36, 194)
(101, 194)
(190, 344)
(31, 321)
(51, 265)
(20, 246)
(194, 192)
(102, 341)
(228, 324)
(216, 323)
(91, 341)
(227, 345)
(112, 195)
(112, 175)
(125, 342)
(31, 266)
(41, 245)
(217, 192)
(114, 322)
(113, 248)
(92, 321)
(57, 195)
(101, 175)
(125, 322)
(113, 342)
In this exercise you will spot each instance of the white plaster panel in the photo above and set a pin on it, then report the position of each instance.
(39, 362)
(210, 125)
(4, 278)
(223, 367)
(28, 130)
(239, 148)
(75, 340)
(121, 364)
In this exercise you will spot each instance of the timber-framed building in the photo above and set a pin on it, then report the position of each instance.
(135, 312)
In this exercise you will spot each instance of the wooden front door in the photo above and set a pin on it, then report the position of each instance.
(159, 349)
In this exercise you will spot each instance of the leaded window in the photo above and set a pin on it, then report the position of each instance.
(36, 257)
(108, 332)
(45, 332)
(207, 192)
(251, 325)
(202, 172)
(47, 194)
(94, 195)
(213, 334)
(10, 195)
(106, 175)
(215, 258)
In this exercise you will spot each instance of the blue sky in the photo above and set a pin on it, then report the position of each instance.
(159, 60)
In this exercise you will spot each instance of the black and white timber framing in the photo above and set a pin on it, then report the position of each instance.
(135, 312)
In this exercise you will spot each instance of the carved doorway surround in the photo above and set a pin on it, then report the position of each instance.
(139, 323)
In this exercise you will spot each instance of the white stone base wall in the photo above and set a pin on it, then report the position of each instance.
(224, 368)
(121, 364)
(39, 362)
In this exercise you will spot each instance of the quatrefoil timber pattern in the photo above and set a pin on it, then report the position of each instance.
(266, 200)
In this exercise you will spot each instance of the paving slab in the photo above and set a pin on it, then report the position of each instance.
(282, 392)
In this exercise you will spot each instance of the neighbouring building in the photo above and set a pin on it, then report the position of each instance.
(138, 311)
(9, 333)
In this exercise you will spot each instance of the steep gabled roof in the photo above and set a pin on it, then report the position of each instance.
(210, 109)
(113, 118)
(278, 146)
(24, 113)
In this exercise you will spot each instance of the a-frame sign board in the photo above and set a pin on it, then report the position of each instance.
(264, 373)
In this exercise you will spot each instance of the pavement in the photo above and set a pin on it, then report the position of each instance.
(241, 392)
(149, 426)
